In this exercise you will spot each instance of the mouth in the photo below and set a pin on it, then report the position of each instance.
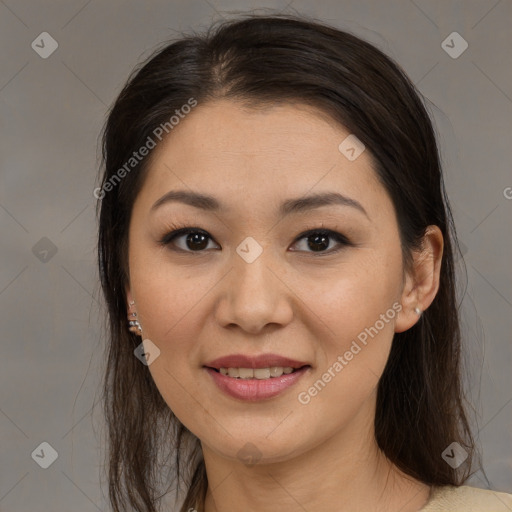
(255, 378)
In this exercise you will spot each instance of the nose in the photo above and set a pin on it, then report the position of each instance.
(254, 296)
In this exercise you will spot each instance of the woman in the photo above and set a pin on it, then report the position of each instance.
(277, 256)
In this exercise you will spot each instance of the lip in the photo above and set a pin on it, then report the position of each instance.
(253, 390)
(261, 361)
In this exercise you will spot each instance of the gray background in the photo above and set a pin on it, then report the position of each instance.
(52, 111)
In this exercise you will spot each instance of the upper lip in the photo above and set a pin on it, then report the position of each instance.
(261, 361)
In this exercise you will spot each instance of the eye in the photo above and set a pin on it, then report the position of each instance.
(318, 240)
(194, 239)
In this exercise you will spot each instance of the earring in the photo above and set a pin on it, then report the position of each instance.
(417, 311)
(135, 327)
(133, 324)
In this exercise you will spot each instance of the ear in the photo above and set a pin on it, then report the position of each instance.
(422, 281)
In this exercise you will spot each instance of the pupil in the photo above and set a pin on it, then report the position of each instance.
(197, 241)
(319, 240)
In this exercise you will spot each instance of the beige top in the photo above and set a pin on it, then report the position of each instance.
(467, 499)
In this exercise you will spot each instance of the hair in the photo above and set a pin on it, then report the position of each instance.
(263, 61)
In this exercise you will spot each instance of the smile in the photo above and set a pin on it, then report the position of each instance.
(255, 384)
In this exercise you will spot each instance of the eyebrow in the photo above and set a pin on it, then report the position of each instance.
(298, 205)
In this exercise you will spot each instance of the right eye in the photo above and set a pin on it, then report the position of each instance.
(193, 239)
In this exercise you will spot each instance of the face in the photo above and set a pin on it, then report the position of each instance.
(264, 278)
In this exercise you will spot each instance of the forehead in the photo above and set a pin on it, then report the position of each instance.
(240, 153)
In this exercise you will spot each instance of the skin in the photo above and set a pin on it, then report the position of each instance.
(293, 301)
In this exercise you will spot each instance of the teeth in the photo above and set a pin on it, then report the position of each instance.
(262, 373)
(245, 373)
(233, 372)
(256, 373)
(276, 371)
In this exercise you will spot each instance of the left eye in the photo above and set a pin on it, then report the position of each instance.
(318, 240)
(196, 240)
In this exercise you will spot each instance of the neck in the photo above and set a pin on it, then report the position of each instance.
(344, 473)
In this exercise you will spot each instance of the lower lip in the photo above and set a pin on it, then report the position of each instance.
(256, 389)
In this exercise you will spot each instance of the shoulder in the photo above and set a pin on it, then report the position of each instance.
(467, 499)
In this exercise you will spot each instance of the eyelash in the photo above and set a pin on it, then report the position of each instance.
(178, 230)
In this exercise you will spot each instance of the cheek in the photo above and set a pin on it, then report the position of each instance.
(166, 293)
(168, 298)
(351, 364)
(349, 298)
(171, 309)
(358, 306)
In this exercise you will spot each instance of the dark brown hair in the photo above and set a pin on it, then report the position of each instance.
(264, 60)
